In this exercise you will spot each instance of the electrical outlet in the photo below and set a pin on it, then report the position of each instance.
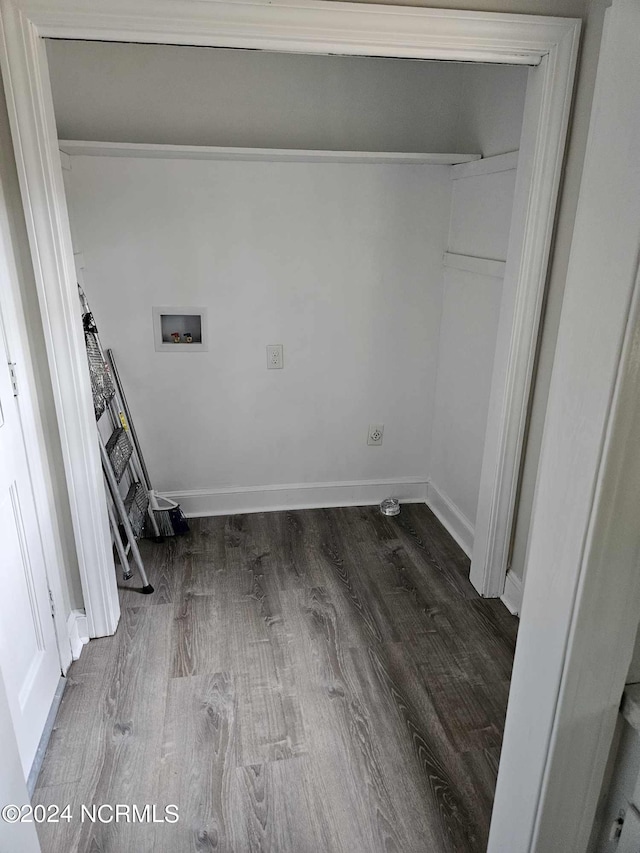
(376, 432)
(275, 357)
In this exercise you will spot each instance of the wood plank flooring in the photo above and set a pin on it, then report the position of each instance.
(318, 680)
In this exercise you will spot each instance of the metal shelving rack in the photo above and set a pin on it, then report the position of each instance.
(120, 463)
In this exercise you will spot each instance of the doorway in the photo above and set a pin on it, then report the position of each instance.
(546, 116)
(299, 203)
(551, 48)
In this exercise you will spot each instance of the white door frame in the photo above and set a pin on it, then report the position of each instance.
(17, 334)
(309, 26)
(516, 345)
(582, 597)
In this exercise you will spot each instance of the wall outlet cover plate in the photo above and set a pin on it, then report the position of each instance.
(376, 432)
(275, 357)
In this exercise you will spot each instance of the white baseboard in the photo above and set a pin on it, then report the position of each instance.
(202, 502)
(38, 759)
(512, 595)
(455, 522)
(248, 499)
(77, 631)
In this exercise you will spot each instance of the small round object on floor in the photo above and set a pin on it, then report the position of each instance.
(390, 506)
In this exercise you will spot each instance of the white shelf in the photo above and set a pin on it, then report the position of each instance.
(470, 263)
(486, 166)
(284, 155)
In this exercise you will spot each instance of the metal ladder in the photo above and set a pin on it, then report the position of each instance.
(120, 462)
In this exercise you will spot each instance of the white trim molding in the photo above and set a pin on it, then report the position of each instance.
(582, 592)
(18, 340)
(41, 751)
(30, 106)
(540, 162)
(307, 26)
(240, 499)
(78, 632)
(452, 519)
(75, 148)
(512, 595)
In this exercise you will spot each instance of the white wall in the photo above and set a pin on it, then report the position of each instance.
(159, 93)
(481, 212)
(204, 96)
(480, 221)
(339, 263)
(471, 307)
(491, 124)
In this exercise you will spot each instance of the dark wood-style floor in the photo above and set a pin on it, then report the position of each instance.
(310, 681)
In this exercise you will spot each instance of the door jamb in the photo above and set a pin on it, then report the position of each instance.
(582, 597)
(516, 348)
(17, 335)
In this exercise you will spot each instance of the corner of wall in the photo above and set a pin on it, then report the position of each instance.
(453, 520)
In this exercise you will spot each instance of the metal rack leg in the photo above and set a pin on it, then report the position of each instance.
(138, 469)
(157, 536)
(124, 517)
(127, 574)
(127, 413)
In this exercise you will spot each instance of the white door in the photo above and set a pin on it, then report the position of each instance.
(13, 789)
(29, 657)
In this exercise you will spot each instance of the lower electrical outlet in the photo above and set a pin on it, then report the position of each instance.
(275, 357)
(376, 431)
